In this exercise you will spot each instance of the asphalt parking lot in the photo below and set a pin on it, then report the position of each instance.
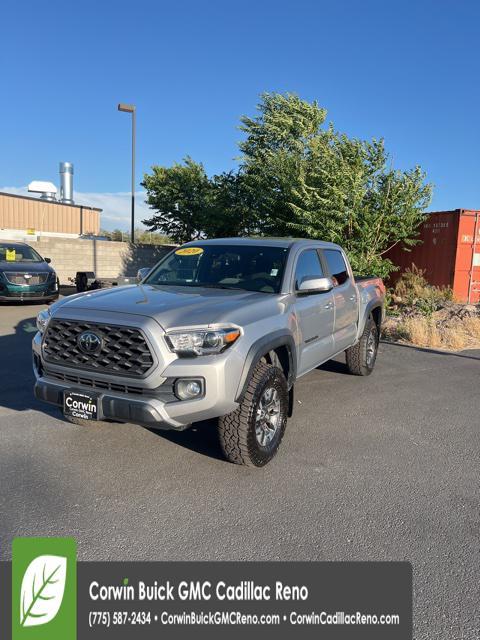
(378, 468)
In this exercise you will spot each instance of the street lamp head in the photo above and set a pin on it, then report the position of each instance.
(129, 108)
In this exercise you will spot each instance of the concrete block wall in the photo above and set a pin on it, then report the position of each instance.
(106, 259)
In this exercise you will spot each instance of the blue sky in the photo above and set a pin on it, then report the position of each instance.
(407, 71)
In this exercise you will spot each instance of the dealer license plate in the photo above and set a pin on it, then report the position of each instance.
(80, 405)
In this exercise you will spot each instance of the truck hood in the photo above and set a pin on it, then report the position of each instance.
(175, 306)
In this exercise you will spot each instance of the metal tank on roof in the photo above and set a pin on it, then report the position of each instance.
(66, 182)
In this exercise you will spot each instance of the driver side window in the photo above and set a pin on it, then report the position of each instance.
(308, 266)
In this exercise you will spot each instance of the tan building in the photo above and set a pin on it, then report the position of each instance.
(23, 215)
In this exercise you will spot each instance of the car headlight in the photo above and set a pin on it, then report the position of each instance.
(43, 319)
(201, 342)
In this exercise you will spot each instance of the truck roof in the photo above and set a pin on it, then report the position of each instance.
(272, 242)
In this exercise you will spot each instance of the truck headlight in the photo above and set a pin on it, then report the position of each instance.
(201, 342)
(43, 319)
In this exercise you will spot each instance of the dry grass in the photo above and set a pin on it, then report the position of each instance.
(427, 316)
(453, 334)
(472, 327)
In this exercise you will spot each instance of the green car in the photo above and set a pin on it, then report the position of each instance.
(25, 275)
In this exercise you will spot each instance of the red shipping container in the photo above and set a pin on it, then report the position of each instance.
(449, 253)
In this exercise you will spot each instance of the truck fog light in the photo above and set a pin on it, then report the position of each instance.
(188, 388)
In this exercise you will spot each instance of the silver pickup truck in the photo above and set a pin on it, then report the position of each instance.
(217, 329)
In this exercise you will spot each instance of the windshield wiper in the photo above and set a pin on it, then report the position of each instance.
(207, 285)
(210, 285)
(161, 284)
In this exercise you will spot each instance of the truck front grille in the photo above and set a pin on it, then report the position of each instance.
(101, 385)
(123, 351)
(164, 392)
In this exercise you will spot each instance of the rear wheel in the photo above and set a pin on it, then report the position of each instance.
(361, 357)
(251, 435)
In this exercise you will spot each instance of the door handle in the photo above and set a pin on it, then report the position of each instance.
(329, 305)
(352, 298)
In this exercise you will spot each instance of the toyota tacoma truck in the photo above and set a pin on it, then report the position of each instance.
(217, 329)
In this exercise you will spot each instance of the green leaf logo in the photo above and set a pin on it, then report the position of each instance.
(43, 586)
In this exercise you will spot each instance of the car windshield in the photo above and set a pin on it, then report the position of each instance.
(242, 266)
(18, 253)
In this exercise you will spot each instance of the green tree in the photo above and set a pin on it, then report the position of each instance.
(232, 207)
(315, 182)
(181, 197)
(274, 154)
(189, 205)
(296, 177)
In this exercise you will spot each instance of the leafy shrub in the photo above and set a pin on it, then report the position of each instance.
(412, 291)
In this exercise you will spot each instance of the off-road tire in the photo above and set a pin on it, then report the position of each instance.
(358, 362)
(237, 429)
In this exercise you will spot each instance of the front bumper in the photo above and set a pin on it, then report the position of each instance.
(148, 413)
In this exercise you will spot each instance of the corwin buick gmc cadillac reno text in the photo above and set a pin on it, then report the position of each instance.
(217, 329)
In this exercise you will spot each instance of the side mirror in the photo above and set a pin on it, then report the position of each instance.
(316, 285)
(143, 273)
(47, 260)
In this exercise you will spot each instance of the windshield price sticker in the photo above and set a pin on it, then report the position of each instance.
(10, 255)
(189, 251)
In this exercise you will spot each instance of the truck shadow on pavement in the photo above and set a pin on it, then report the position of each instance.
(16, 375)
(201, 438)
(334, 366)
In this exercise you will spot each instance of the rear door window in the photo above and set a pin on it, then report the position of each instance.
(336, 266)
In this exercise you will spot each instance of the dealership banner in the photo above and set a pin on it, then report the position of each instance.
(46, 594)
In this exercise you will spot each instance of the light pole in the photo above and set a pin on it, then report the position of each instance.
(130, 108)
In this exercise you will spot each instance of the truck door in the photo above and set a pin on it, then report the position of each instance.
(345, 299)
(315, 313)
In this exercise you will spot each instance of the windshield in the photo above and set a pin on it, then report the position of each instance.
(248, 267)
(18, 253)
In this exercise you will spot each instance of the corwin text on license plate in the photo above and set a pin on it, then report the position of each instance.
(80, 405)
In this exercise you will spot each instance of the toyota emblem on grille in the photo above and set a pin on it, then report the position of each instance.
(89, 342)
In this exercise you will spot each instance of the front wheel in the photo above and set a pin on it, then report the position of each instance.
(362, 356)
(251, 435)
